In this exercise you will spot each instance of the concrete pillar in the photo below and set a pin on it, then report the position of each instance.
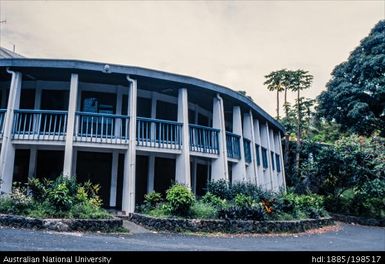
(182, 168)
(7, 155)
(219, 169)
(239, 168)
(114, 178)
(248, 133)
(68, 152)
(268, 147)
(273, 162)
(257, 138)
(128, 197)
(151, 158)
(281, 162)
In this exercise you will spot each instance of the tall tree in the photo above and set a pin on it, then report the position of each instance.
(355, 96)
(297, 81)
(276, 81)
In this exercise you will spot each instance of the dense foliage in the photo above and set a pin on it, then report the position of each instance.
(61, 198)
(355, 96)
(350, 173)
(180, 199)
(239, 201)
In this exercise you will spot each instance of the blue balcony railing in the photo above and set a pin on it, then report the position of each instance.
(247, 150)
(233, 146)
(157, 133)
(204, 139)
(101, 128)
(2, 116)
(39, 124)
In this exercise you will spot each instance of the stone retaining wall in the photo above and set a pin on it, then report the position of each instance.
(228, 226)
(359, 220)
(61, 224)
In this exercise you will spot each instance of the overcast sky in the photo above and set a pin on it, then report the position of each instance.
(232, 43)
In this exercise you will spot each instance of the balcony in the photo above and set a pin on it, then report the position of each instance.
(233, 146)
(101, 128)
(158, 133)
(47, 125)
(204, 139)
(2, 115)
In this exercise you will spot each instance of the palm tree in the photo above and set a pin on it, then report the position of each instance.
(276, 81)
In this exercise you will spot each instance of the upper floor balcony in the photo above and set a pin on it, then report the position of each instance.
(100, 128)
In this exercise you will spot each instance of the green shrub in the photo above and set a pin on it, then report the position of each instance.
(60, 197)
(39, 188)
(242, 200)
(369, 199)
(251, 190)
(180, 199)
(202, 210)
(152, 199)
(44, 210)
(88, 211)
(213, 200)
(20, 199)
(254, 212)
(162, 210)
(301, 206)
(220, 189)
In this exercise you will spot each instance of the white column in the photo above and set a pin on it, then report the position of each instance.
(248, 133)
(151, 158)
(182, 168)
(219, 169)
(32, 162)
(258, 140)
(281, 162)
(114, 178)
(270, 165)
(7, 155)
(68, 152)
(239, 168)
(273, 162)
(128, 197)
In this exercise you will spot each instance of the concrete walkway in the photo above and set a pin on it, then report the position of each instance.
(343, 237)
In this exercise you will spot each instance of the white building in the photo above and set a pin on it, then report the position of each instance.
(130, 129)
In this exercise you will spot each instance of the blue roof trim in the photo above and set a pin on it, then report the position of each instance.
(121, 69)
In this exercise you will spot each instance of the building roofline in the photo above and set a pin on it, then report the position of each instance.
(140, 71)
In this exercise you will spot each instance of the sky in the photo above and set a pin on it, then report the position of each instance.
(231, 43)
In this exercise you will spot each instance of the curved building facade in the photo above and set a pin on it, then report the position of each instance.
(130, 129)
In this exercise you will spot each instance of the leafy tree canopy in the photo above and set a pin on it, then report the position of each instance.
(355, 96)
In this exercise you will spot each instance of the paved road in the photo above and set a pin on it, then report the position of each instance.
(344, 238)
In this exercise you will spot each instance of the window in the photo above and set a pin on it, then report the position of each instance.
(246, 147)
(278, 162)
(272, 160)
(258, 157)
(264, 158)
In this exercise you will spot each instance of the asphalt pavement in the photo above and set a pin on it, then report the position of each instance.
(342, 237)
